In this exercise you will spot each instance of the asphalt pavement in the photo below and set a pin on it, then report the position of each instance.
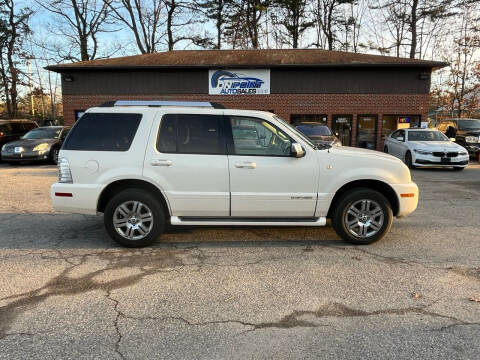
(68, 291)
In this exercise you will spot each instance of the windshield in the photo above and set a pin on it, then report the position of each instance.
(295, 131)
(314, 130)
(469, 124)
(426, 136)
(43, 133)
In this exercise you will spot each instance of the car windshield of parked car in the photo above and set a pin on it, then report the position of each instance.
(295, 131)
(314, 130)
(469, 124)
(43, 134)
(426, 136)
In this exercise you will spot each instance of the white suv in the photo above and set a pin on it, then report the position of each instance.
(144, 164)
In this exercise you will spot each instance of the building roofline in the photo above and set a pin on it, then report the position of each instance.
(244, 59)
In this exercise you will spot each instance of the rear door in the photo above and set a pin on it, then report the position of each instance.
(265, 181)
(186, 157)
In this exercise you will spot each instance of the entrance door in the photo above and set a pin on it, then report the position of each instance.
(342, 127)
(265, 181)
(367, 131)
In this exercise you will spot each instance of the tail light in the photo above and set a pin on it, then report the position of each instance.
(64, 173)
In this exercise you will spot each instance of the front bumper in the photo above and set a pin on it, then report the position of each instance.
(25, 156)
(407, 198)
(430, 160)
(75, 198)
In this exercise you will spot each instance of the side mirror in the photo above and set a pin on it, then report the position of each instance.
(297, 150)
(453, 139)
(400, 138)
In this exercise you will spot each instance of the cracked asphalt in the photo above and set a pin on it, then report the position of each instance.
(67, 291)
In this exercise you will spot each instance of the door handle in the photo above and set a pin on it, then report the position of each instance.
(157, 162)
(246, 165)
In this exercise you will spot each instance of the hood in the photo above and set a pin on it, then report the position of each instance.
(31, 143)
(345, 162)
(436, 145)
(469, 132)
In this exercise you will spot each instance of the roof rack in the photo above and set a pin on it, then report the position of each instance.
(161, 103)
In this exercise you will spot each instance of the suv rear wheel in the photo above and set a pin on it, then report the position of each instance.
(362, 216)
(133, 218)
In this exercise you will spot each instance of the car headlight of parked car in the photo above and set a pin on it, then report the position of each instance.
(463, 153)
(423, 152)
(472, 139)
(41, 147)
(3, 147)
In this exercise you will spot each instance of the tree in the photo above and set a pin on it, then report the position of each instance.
(80, 22)
(217, 11)
(408, 17)
(328, 18)
(291, 14)
(143, 18)
(13, 28)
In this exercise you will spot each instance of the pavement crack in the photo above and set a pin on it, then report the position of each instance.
(115, 323)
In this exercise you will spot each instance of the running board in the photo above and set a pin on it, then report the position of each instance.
(229, 221)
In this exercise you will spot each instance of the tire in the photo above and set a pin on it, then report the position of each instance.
(385, 149)
(458, 168)
(408, 160)
(343, 214)
(54, 155)
(129, 232)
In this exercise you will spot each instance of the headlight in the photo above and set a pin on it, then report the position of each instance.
(423, 152)
(463, 153)
(41, 147)
(3, 147)
(471, 139)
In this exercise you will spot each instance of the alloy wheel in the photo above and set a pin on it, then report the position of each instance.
(133, 220)
(364, 218)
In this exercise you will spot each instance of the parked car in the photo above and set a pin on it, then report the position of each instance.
(465, 131)
(426, 147)
(42, 143)
(14, 129)
(319, 134)
(148, 163)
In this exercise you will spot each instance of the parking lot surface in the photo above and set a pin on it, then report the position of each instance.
(68, 291)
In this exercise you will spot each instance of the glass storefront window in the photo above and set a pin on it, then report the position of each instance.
(342, 127)
(366, 131)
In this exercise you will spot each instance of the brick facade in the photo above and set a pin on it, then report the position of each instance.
(285, 104)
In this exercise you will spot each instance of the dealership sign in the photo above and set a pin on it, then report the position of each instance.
(239, 82)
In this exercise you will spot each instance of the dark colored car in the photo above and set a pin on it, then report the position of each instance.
(14, 129)
(465, 131)
(319, 134)
(42, 143)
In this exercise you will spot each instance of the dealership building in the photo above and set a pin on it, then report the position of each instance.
(361, 97)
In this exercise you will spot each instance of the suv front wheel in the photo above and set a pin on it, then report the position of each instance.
(362, 216)
(133, 218)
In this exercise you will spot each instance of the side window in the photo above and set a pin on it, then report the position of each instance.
(191, 134)
(395, 134)
(252, 136)
(103, 132)
(17, 128)
(6, 129)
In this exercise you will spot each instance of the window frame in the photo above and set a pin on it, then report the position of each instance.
(221, 128)
(231, 143)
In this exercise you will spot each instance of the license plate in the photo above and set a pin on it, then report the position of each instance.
(18, 150)
(445, 160)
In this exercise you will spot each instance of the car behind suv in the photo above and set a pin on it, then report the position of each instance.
(465, 131)
(11, 130)
(152, 163)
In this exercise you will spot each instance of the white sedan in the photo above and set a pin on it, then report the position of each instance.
(426, 148)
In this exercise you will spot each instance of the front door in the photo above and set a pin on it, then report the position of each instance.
(188, 160)
(342, 127)
(265, 181)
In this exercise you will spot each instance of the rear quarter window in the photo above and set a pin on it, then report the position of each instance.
(103, 132)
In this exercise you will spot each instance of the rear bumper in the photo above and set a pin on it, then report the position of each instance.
(407, 198)
(75, 198)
